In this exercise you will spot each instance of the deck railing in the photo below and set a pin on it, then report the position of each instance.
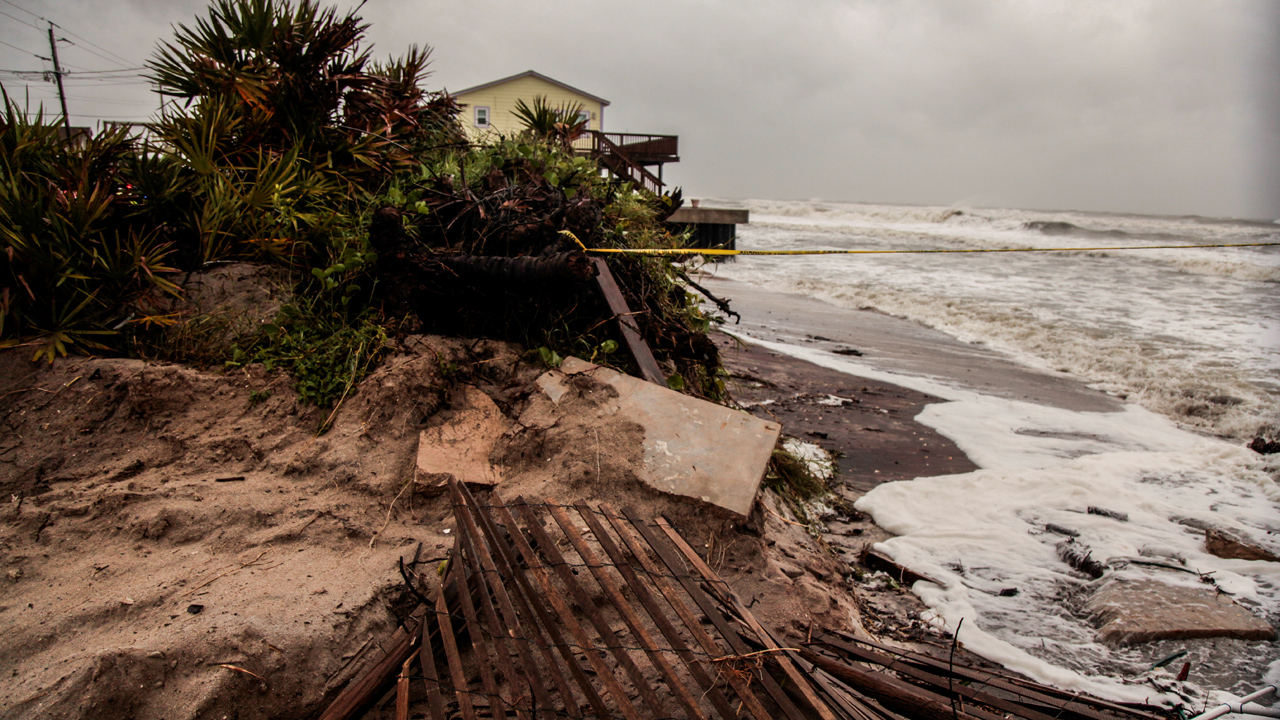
(641, 147)
(627, 154)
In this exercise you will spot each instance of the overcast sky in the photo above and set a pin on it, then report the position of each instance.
(1149, 106)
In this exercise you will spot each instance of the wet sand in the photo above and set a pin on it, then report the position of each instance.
(894, 345)
(870, 424)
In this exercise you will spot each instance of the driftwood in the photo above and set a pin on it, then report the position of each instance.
(722, 304)
(398, 650)
(1078, 556)
(873, 559)
(896, 694)
(952, 682)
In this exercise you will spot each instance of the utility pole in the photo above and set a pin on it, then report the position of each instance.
(57, 73)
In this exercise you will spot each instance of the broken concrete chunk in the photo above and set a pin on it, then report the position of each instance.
(692, 447)
(460, 447)
(1129, 611)
(552, 384)
(1225, 545)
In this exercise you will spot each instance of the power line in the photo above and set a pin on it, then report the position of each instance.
(129, 118)
(92, 44)
(15, 47)
(7, 2)
(88, 98)
(65, 30)
(82, 47)
(115, 82)
(118, 70)
(18, 19)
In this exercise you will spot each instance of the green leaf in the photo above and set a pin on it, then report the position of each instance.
(549, 357)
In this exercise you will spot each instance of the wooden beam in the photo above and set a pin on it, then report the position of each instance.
(649, 368)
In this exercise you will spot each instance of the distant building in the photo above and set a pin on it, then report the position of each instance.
(491, 106)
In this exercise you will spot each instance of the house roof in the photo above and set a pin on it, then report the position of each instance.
(540, 76)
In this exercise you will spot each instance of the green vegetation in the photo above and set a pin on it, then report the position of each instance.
(285, 145)
(560, 124)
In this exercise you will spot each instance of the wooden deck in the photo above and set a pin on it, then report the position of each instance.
(630, 155)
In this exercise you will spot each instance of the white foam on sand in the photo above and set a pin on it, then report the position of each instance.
(985, 531)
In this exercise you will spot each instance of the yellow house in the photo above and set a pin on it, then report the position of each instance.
(489, 107)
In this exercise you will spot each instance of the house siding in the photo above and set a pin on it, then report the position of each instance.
(501, 101)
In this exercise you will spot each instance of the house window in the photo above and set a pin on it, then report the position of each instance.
(482, 117)
(584, 117)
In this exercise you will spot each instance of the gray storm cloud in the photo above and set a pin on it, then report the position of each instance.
(1138, 106)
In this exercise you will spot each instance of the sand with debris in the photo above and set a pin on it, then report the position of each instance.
(175, 546)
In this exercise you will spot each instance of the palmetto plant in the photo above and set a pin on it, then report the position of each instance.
(290, 66)
(287, 127)
(561, 124)
(75, 264)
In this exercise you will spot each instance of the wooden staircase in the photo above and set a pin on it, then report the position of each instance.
(628, 156)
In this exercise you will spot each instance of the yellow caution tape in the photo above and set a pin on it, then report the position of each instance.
(718, 251)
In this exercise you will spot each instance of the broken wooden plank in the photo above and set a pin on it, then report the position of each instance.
(444, 620)
(650, 605)
(1028, 692)
(691, 622)
(628, 613)
(873, 559)
(912, 701)
(514, 637)
(585, 604)
(711, 611)
(543, 576)
(765, 637)
(648, 365)
(427, 658)
(402, 691)
(480, 648)
(961, 689)
(529, 608)
(357, 696)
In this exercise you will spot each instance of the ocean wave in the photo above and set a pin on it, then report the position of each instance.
(832, 226)
(1060, 227)
(1170, 379)
(1175, 229)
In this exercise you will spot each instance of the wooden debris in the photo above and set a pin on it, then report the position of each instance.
(873, 559)
(649, 368)
(559, 619)
(1225, 545)
(941, 689)
(1114, 514)
(1080, 557)
(543, 616)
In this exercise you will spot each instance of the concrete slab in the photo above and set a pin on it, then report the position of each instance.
(460, 447)
(1225, 545)
(692, 447)
(1131, 611)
